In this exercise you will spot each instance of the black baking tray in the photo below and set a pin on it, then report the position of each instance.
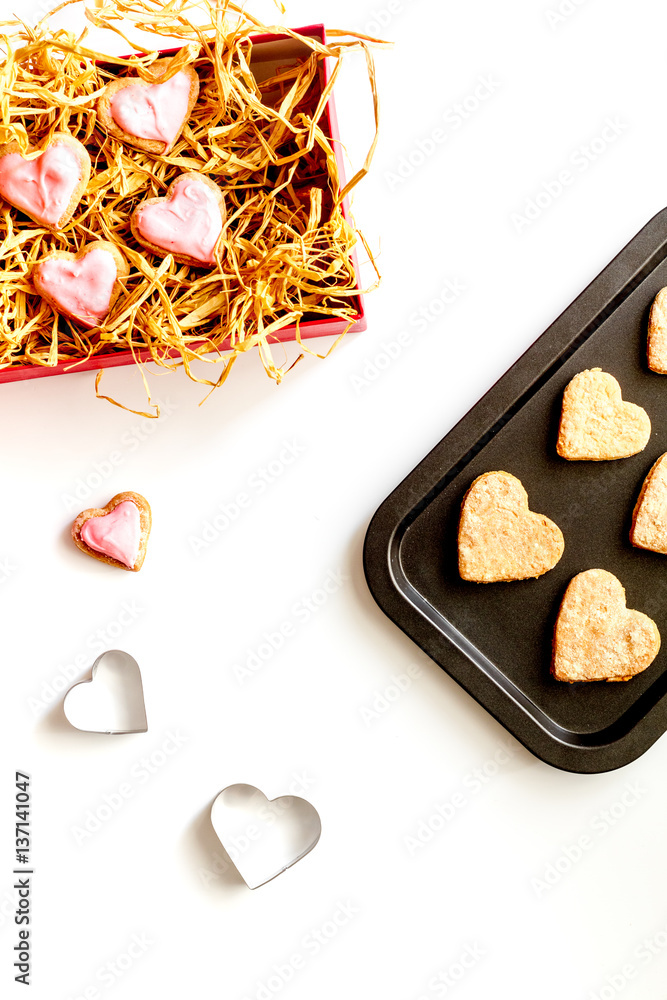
(495, 639)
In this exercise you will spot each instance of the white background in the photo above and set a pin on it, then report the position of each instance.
(478, 885)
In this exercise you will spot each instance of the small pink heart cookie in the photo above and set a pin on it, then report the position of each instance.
(186, 223)
(49, 187)
(116, 534)
(82, 286)
(149, 115)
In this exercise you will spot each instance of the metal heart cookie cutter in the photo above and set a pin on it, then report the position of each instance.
(263, 837)
(112, 701)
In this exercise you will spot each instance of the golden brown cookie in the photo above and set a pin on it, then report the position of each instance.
(82, 286)
(657, 334)
(116, 534)
(149, 115)
(597, 638)
(649, 518)
(500, 539)
(47, 187)
(596, 424)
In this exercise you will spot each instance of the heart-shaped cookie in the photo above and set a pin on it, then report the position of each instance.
(657, 334)
(597, 638)
(263, 837)
(149, 115)
(500, 539)
(649, 518)
(596, 424)
(112, 701)
(49, 187)
(82, 286)
(186, 223)
(116, 534)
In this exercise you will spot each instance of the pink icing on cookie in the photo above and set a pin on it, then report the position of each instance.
(116, 534)
(42, 187)
(188, 222)
(82, 288)
(154, 110)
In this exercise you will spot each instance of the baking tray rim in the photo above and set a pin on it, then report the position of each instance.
(410, 610)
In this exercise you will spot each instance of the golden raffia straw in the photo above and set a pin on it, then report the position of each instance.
(285, 253)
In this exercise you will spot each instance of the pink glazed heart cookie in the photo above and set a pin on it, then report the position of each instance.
(82, 286)
(149, 115)
(116, 534)
(187, 223)
(49, 187)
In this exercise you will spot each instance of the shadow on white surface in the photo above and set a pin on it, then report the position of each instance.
(54, 726)
(217, 872)
(440, 695)
(111, 701)
(268, 836)
(58, 733)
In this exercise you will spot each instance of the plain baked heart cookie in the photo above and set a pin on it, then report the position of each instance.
(500, 539)
(82, 286)
(186, 223)
(116, 534)
(596, 424)
(150, 116)
(597, 638)
(649, 518)
(49, 187)
(657, 334)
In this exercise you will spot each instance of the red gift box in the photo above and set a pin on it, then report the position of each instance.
(267, 50)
